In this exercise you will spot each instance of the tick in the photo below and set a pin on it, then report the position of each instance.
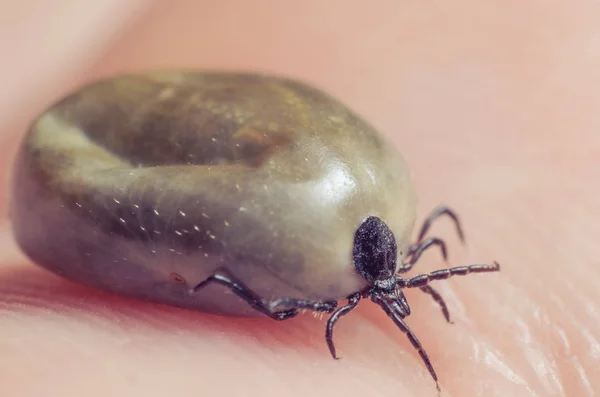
(237, 194)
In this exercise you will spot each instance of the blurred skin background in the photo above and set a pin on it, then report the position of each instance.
(494, 104)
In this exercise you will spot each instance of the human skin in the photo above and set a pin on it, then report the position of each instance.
(494, 105)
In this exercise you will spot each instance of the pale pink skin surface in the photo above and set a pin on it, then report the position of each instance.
(496, 107)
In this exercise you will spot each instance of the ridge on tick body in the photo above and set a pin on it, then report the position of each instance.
(232, 193)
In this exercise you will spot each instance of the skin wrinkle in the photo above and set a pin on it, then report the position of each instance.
(487, 352)
(536, 361)
(568, 308)
(565, 372)
(586, 385)
(567, 368)
(533, 341)
(497, 363)
(497, 118)
(578, 350)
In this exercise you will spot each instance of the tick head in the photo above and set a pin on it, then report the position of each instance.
(374, 250)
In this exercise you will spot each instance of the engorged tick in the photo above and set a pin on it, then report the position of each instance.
(158, 184)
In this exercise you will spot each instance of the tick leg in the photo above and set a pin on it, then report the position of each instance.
(436, 213)
(416, 250)
(302, 304)
(255, 301)
(246, 294)
(397, 319)
(424, 279)
(440, 301)
(342, 311)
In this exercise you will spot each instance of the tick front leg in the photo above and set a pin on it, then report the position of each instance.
(424, 279)
(439, 300)
(342, 311)
(397, 318)
(294, 306)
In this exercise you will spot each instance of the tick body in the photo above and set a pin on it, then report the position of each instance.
(237, 194)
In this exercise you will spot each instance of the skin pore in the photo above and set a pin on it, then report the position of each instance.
(496, 116)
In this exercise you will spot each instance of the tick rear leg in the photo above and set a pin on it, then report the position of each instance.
(294, 306)
(303, 304)
(415, 251)
(434, 215)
